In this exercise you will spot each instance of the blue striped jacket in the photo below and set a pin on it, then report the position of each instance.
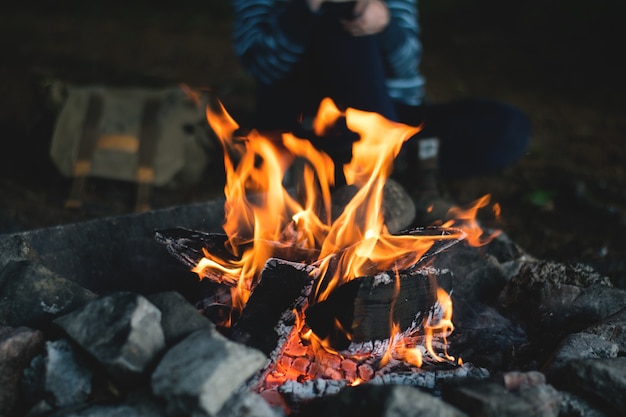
(269, 37)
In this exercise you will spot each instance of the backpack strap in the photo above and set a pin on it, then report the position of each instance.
(148, 137)
(87, 146)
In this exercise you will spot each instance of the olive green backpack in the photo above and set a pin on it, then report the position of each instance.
(148, 136)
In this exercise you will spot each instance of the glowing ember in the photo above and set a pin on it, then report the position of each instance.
(263, 220)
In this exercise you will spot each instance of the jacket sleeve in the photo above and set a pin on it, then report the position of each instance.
(400, 40)
(269, 36)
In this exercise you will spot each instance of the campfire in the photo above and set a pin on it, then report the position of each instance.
(356, 300)
(311, 301)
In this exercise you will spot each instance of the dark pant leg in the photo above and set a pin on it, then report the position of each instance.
(279, 106)
(348, 69)
(477, 136)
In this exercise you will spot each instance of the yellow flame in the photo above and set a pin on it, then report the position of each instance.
(466, 220)
(442, 327)
(262, 217)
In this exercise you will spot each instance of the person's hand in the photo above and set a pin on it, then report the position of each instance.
(371, 17)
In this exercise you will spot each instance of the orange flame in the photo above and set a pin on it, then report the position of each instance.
(359, 232)
(440, 325)
(260, 210)
(466, 219)
(263, 219)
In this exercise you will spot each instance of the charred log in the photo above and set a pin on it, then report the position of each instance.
(187, 245)
(190, 246)
(365, 309)
(283, 287)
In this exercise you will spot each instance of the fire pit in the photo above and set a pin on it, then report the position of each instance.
(302, 308)
(365, 297)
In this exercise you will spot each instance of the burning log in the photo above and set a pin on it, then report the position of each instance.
(365, 309)
(191, 246)
(284, 287)
(188, 245)
(368, 308)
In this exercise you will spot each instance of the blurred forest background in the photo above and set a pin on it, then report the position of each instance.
(560, 61)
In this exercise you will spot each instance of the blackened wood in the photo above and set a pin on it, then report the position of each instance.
(283, 287)
(443, 239)
(188, 247)
(367, 307)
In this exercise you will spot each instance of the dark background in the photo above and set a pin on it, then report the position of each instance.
(559, 61)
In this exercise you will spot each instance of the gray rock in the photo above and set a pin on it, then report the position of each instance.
(478, 276)
(581, 346)
(559, 298)
(601, 379)
(121, 330)
(32, 295)
(484, 337)
(202, 372)
(379, 400)
(612, 329)
(600, 301)
(516, 381)
(59, 375)
(490, 399)
(118, 410)
(574, 406)
(18, 346)
(506, 251)
(249, 404)
(15, 248)
(178, 317)
(397, 206)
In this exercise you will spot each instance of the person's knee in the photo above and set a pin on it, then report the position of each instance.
(481, 137)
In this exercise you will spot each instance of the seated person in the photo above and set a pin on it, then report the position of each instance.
(365, 54)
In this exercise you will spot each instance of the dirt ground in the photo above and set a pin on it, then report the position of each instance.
(558, 61)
